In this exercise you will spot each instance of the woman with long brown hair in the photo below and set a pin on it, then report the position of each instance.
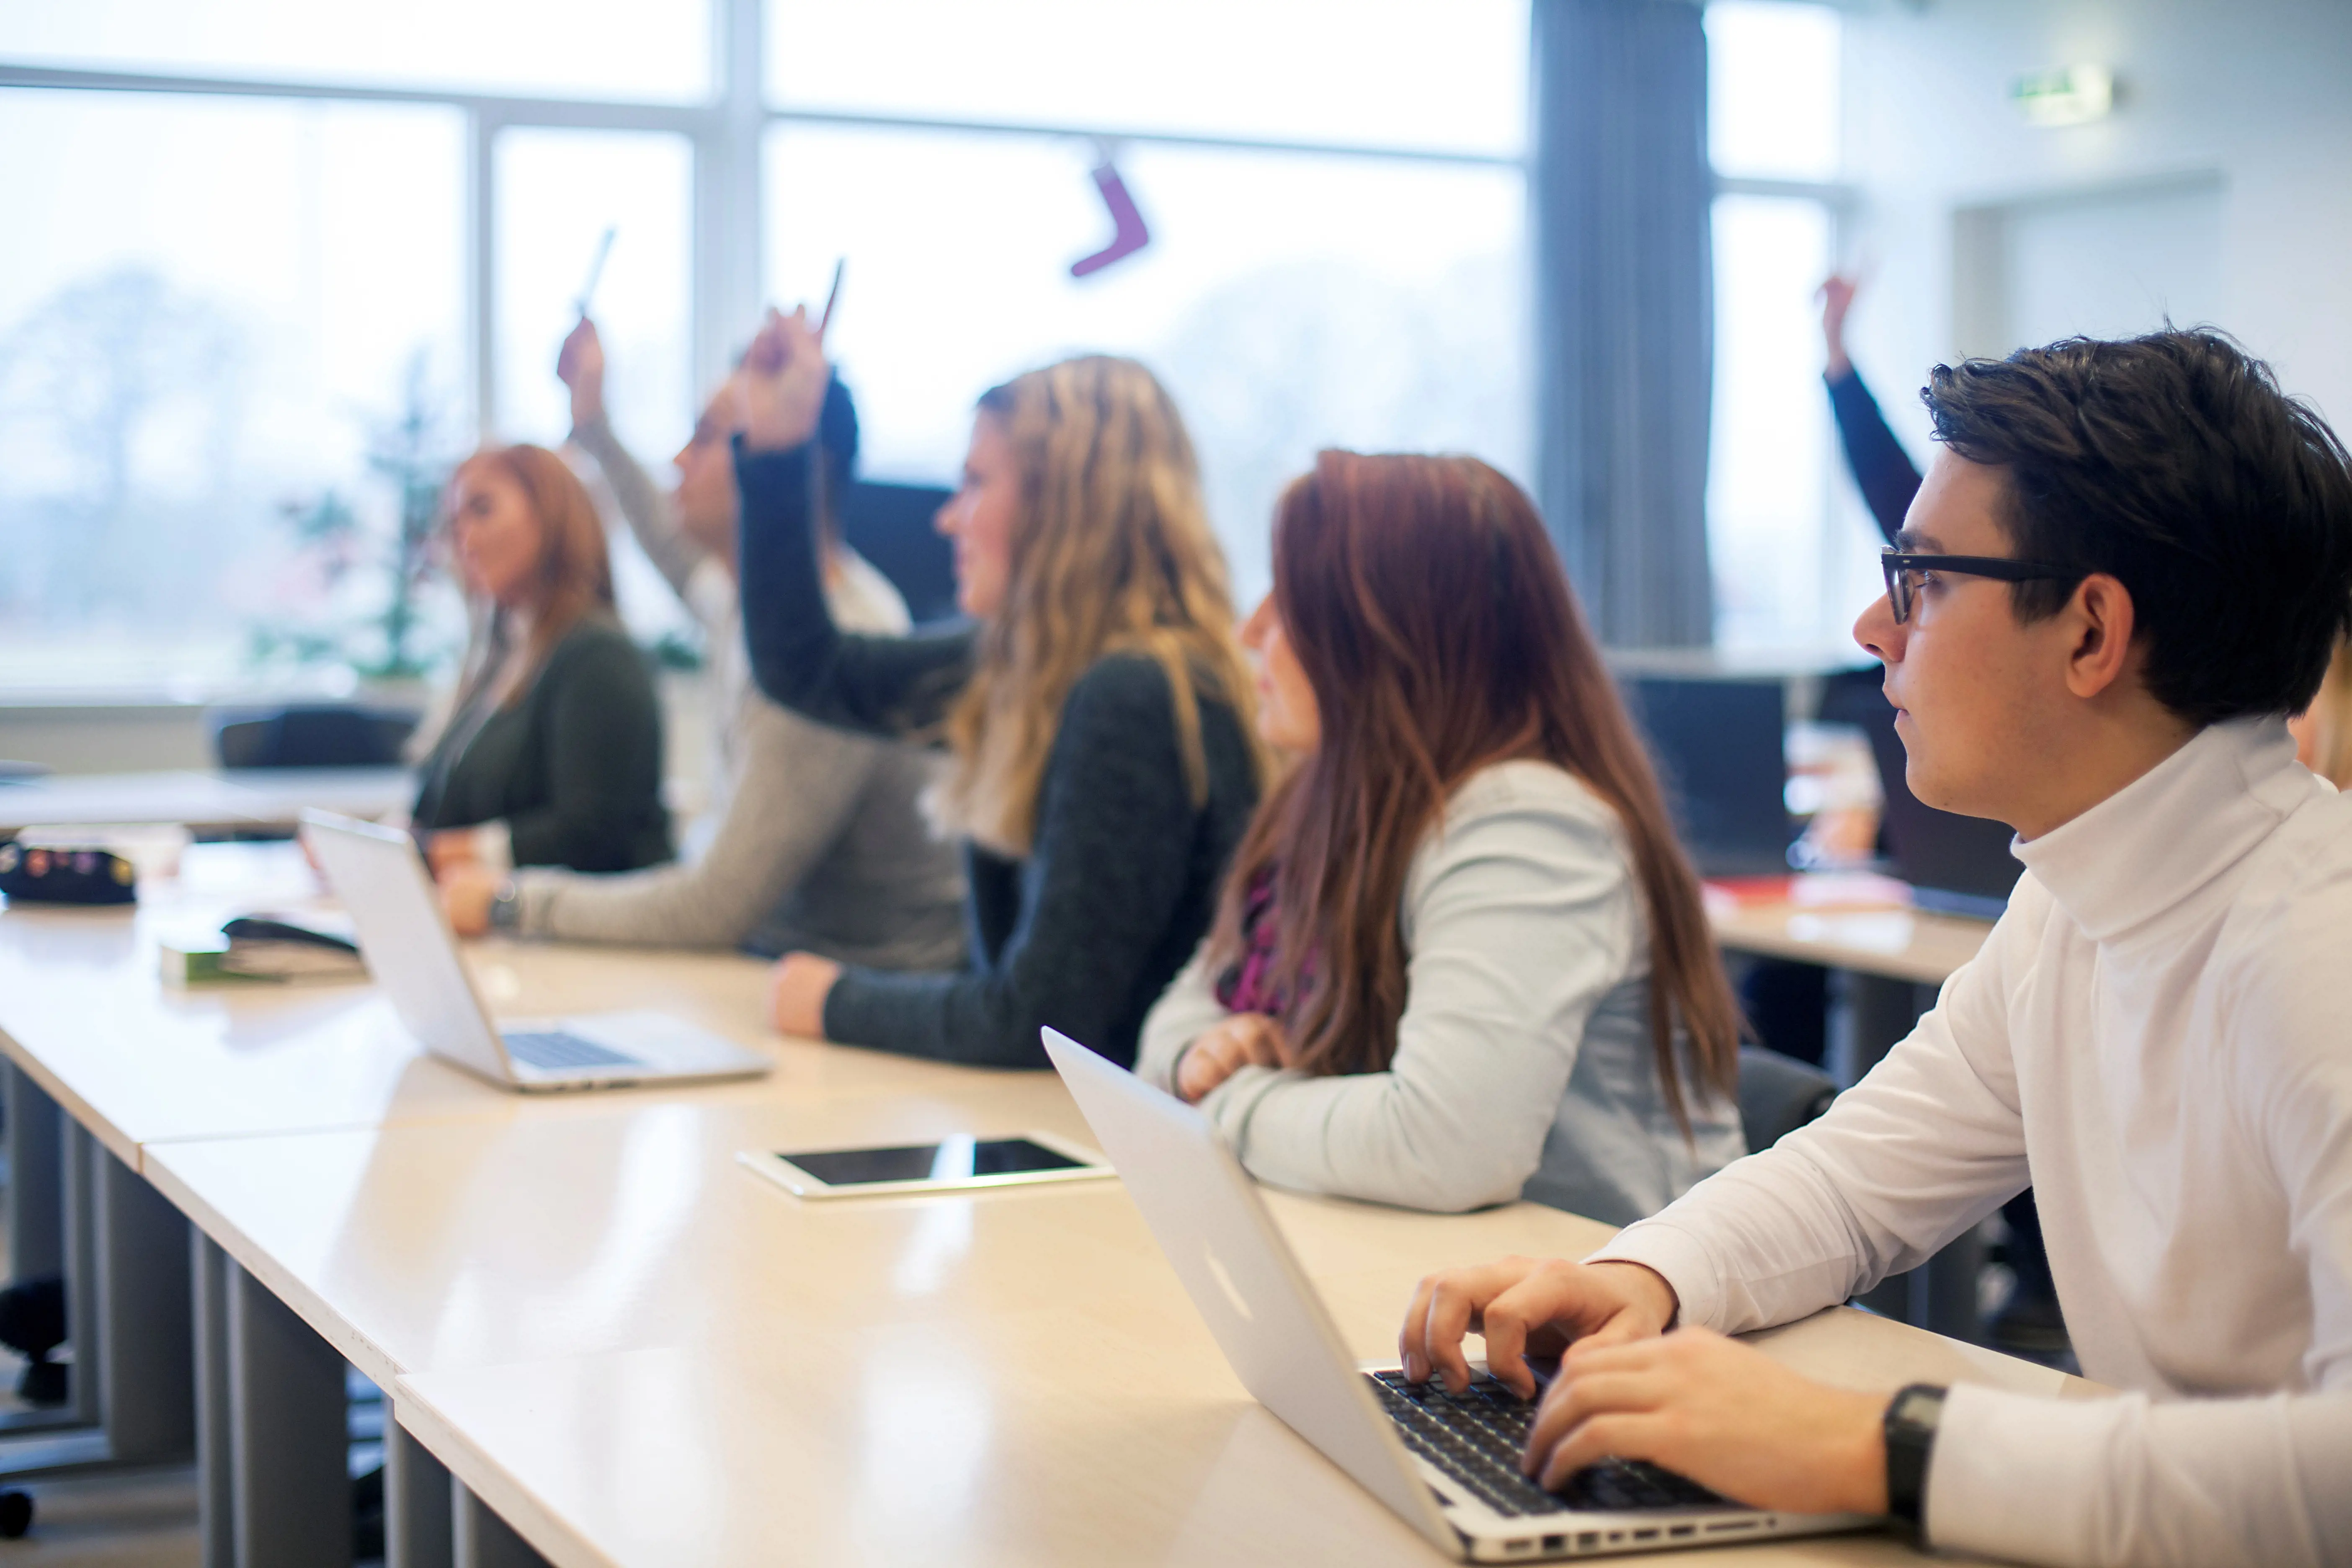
(1096, 708)
(1460, 958)
(551, 754)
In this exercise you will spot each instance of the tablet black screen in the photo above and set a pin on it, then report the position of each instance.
(948, 1160)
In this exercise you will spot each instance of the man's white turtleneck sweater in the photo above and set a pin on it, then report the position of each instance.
(2158, 1037)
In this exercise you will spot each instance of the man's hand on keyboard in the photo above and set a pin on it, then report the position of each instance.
(1527, 1306)
(1724, 1415)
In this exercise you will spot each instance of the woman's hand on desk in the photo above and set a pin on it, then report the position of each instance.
(1245, 1040)
(466, 891)
(780, 389)
(450, 849)
(796, 994)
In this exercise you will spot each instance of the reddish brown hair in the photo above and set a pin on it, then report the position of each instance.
(1425, 602)
(575, 573)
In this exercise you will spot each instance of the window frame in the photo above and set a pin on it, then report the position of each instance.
(725, 133)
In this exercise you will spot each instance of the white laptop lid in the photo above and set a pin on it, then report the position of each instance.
(404, 937)
(1204, 1211)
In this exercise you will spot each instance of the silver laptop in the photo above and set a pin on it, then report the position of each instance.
(405, 940)
(1447, 1464)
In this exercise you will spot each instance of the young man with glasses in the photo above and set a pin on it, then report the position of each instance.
(2127, 565)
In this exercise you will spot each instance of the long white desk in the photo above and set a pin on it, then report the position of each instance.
(637, 1352)
(1864, 924)
(85, 1014)
(226, 799)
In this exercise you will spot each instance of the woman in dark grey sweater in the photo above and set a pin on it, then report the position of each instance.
(1104, 762)
(552, 752)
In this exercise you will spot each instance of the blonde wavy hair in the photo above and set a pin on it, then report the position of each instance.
(1111, 553)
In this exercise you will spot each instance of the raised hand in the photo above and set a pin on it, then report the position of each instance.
(580, 365)
(1836, 295)
(780, 387)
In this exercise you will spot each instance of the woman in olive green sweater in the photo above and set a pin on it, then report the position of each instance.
(551, 754)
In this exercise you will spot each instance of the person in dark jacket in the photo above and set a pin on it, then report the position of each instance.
(1096, 707)
(551, 752)
(1882, 470)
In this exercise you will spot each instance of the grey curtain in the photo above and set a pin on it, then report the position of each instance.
(1624, 310)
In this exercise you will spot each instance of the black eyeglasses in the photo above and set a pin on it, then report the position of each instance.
(1905, 573)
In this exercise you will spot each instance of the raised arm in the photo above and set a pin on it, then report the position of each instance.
(1521, 918)
(1884, 471)
(884, 685)
(1111, 864)
(580, 365)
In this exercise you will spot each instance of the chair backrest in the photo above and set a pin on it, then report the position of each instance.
(310, 735)
(1778, 1094)
(891, 526)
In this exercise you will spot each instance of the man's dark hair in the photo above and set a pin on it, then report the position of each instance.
(2175, 464)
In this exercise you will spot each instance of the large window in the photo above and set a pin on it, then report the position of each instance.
(1794, 561)
(1290, 303)
(278, 264)
(224, 323)
(255, 304)
(622, 49)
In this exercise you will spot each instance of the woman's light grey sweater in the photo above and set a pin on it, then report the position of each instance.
(819, 843)
(1523, 1066)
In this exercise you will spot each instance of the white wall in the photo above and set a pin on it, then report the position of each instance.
(2256, 92)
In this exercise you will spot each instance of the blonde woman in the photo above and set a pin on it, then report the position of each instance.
(552, 752)
(2322, 732)
(1096, 706)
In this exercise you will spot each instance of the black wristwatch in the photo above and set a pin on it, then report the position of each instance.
(506, 907)
(1911, 1420)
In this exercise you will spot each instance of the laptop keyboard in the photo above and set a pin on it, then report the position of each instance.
(555, 1050)
(1476, 1437)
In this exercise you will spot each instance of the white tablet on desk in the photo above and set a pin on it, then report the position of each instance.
(948, 1166)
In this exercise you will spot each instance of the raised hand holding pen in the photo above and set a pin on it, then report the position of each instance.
(580, 365)
(780, 391)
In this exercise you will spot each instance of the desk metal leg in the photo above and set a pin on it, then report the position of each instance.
(1868, 1014)
(216, 1491)
(419, 1506)
(121, 1250)
(482, 1538)
(144, 1348)
(290, 1478)
(36, 1245)
(81, 1271)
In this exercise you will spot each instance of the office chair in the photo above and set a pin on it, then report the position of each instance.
(1778, 1095)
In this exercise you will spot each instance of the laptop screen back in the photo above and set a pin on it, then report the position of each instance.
(1720, 751)
(1957, 865)
(377, 874)
(1205, 1213)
